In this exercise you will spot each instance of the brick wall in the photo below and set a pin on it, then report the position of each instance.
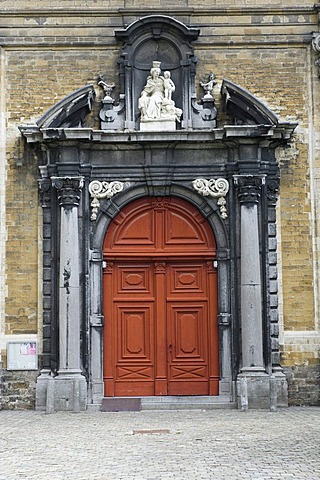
(266, 52)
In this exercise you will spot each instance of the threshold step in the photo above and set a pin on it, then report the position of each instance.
(118, 404)
(183, 402)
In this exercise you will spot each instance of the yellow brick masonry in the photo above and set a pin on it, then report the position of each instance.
(263, 51)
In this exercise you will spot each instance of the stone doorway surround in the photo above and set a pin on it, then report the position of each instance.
(127, 164)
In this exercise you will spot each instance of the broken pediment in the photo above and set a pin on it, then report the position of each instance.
(252, 118)
(69, 112)
(157, 69)
(244, 107)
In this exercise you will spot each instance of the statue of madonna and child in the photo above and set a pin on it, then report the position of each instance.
(157, 109)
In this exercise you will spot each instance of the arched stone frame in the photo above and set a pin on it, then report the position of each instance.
(208, 208)
(137, 55)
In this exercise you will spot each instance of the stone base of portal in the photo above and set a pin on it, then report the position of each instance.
(65, 392)
(258, 390)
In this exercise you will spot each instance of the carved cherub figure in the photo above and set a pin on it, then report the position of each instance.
(168, 85)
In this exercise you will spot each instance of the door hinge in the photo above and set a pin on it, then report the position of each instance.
(215, 263)
(104, 264)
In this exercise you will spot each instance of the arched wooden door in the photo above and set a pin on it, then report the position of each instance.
(160, 301)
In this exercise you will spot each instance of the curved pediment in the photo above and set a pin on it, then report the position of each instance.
(70, 111)
(157, 25)
(245, 107)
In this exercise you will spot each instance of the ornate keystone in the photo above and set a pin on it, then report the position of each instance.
(214, 188)
(249, 187)
(69, 190)
(99, 190)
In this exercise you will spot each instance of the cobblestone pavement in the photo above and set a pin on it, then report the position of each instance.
(149, 445)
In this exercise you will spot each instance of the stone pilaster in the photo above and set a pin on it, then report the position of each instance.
(281, 386)
(70, 386)
(253, 370)
(42, 381)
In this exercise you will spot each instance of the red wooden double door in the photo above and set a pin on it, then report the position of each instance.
(160, 301)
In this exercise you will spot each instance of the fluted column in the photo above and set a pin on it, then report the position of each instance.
(249, 190)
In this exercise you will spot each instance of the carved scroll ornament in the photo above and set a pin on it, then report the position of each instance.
(216, 188)
(99, 190)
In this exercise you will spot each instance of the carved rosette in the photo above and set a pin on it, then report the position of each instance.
(273, 190)
(216, 188)
(159, 203)
(249, 187)
(45, 191)
(99, 190)
(69, 190)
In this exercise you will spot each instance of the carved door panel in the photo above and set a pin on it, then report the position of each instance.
(192, 330)
(129, 330)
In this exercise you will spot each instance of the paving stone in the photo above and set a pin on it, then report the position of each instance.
(216, 444)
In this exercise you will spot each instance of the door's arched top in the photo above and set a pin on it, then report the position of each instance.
(158, 226)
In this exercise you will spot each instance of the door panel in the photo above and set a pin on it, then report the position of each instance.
(160, 302)
(188, 346)
(131, 329)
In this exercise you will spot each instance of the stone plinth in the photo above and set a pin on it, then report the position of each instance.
(167, 124)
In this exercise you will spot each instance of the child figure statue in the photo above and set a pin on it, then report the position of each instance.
(168, 85)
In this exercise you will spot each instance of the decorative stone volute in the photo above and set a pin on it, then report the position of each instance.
(102, 189)
(216, 188)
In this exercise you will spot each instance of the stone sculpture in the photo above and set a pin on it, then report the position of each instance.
(157, 109)
(208, 86)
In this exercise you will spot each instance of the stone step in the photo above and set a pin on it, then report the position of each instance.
(186, 403)
(117, 404)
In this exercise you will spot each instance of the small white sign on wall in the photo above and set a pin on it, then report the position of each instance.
(22, 356)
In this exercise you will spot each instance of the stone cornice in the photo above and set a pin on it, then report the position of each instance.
(283, 131)
(242, 11)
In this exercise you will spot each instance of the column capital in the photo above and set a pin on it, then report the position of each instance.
(69, 190)
(249, 187)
